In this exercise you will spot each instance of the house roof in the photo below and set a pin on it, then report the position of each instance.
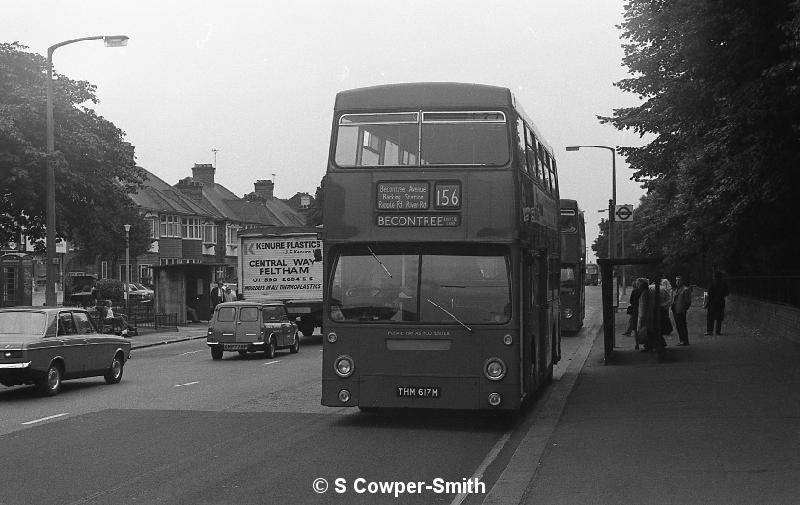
(157, 195)
(216, 202)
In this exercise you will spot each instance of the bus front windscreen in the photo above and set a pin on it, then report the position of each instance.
(475, 138)
(372, 286)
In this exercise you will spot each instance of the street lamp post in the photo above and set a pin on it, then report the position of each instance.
(613, 202)
(50, 288)
(127, 266)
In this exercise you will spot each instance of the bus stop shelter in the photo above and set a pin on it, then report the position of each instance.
(607, 293)
(184, 285)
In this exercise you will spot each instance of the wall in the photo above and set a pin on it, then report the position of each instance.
(774, 318)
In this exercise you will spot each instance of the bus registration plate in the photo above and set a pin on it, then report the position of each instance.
(418, 392)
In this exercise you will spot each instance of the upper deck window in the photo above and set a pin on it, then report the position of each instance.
(471, 138)
(568, 221)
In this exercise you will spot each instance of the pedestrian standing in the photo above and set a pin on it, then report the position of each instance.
(217, 295)
(715, 304)
(647, 328)
(681, 301)
(633, 310)
(230, 296)
(665, 301)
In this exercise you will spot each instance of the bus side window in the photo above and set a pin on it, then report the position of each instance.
(533, 159)
(521, 147)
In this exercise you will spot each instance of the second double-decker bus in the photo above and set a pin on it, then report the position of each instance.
(441, 250)
(573, 266)
(592, 275)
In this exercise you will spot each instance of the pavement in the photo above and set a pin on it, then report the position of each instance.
(719, 422)
(149, 337)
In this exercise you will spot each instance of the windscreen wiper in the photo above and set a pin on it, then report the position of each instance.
(449, 314)
(379, 261)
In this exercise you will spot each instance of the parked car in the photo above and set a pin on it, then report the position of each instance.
(137, 291)
(46, 345)
(250, 326)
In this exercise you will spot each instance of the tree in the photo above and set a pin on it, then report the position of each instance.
(95, 170)
(718, 81)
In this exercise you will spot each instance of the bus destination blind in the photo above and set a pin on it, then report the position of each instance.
(398, 196)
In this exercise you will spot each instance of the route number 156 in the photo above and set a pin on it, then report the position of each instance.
(448, 195)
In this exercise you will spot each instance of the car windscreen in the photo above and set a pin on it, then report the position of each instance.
(21, 322)
(273, 314)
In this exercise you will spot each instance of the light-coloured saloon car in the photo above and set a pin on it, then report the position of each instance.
(45, 345)
(249, 326)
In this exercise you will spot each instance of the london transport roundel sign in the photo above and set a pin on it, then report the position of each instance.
(623, 213)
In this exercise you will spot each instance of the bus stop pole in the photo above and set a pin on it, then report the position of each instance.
(607, 292)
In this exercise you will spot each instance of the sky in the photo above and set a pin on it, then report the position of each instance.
(256, 80)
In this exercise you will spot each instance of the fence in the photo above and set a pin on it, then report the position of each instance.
(771, 288)
(140, 314)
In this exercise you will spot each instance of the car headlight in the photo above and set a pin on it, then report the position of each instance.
(568, 313)
(344, 366)
(494, 369)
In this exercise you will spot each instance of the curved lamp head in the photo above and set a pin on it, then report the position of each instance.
(115, 40)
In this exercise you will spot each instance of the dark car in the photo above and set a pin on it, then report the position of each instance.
(45, 345)
(250, 326)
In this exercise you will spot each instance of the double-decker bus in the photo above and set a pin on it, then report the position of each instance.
(592, 275)
(573, 266)
(441, 250)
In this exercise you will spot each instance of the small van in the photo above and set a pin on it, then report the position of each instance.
(251, 326)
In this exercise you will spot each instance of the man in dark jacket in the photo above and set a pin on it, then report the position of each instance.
(217, 295)
(681, 301)
(715, 304)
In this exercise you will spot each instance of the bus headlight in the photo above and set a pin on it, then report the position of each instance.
(344, 396)
(568, 313)
(495, 399)
(494, 369)
(508, 339)
(344, 366)
(332, 337)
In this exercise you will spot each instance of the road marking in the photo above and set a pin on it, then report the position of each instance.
(46, 418)
(272, 362)
(190, 352)
(478, 475)
(187, 384)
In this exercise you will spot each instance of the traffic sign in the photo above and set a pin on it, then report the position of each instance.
(623, 213)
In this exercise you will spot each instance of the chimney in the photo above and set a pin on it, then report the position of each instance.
(191, 188)
(203, 172)
(264, 189)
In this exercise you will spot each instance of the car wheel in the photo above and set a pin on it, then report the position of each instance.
(295, 348)
(269, 349)
(306, 326)
(51, 384)
(216, 352)
(114, 374)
